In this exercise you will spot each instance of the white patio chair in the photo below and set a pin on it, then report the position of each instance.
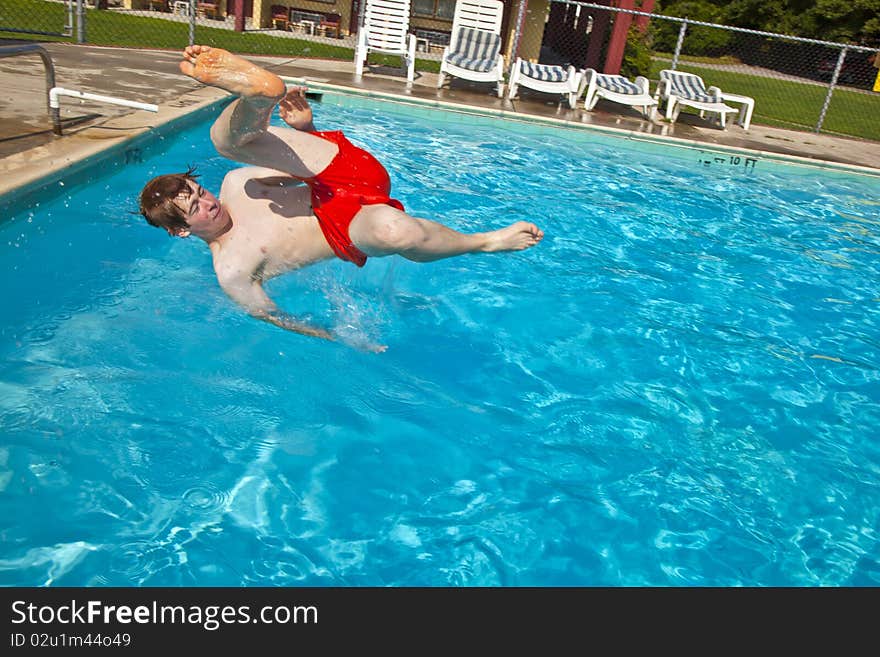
(386, 30)
(474, 50)
(550, 79)
(618, 89)
(679, 89)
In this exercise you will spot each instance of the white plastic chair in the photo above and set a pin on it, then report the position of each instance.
(474, 50)
(679, 89)
(550, 79)
(386, 30)
(618, 89)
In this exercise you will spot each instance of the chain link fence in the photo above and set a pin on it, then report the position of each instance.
(801, 84)
(174, 24)
(796, 83)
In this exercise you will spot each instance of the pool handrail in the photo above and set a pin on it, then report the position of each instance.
(25, 49)
(53, 92)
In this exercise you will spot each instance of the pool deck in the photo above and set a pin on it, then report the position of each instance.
(29, 151)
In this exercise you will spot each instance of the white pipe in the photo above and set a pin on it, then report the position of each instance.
(54, 92)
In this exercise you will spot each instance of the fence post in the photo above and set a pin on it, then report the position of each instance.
(192, 22)
(238, 7)
(831, 84)
(514, 49)
(617, 43)
(684, 27)
(80, 22)
(68, 26)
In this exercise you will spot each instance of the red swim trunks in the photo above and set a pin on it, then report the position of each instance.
(353, 179)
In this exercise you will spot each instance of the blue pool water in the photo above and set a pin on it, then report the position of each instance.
(679, 386)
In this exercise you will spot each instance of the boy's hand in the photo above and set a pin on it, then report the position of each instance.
(295, 110)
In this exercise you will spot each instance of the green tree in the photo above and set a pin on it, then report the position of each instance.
(698, 40)
(851, 21)
(781, 16)
(637, 55)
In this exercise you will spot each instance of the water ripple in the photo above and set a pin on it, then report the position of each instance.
(678, 386)
(205, 498)
(136, 562)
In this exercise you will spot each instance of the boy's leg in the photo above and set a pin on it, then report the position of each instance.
(258, 90)
(242, 130)
(380, 230)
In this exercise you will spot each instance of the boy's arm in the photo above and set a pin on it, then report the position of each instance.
(251, 296)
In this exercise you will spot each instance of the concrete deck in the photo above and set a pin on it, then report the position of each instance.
(29, 150)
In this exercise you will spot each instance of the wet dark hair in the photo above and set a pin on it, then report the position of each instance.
(157, 199)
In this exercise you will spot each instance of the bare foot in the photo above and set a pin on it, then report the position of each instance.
(220, 68)
(515, 237)
(295, 110)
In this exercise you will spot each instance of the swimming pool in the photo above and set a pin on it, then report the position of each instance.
(679, 386)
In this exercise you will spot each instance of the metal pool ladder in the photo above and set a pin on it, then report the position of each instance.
(53, 92)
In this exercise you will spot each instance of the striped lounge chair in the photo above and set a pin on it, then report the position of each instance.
(679, 89)
(474, 51)
(618, 89)
(544, 77)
